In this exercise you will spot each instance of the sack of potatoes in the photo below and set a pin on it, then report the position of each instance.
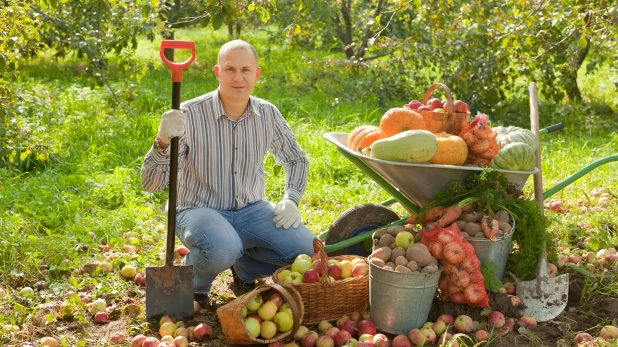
(398, 249)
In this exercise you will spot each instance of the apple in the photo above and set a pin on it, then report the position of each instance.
(167, 338)
(460, 106)
(528, 321)
(254, 303)
(180, 324)
(515, 300)
(98, 305)
(364, 337)
(252, 326)
(351, 326)
(317, 265)
(281, 275)
(552, 270)
(284, 321)
(276, 298)
(416, 337)
(464, 324)
(301, 265)
(404, 239)
(399, 341)
(128, 271)
(346, 268)
(167, 344)
(182, 250)
(106, 267)
(268, 329)
(414, 104)
(325, 341)
(166, 318)
(340, 321)
(428, 325)
(181, 341)
(181, 331)
(323, 325)
(366, 327)
(101, 317)
(429, 334)
(117, 338)
(332, 331)
(311, 276)
(333, 261)
(167, 328)
(303, 257)
(196, 307)
(439, 327)
(310, 339)
(357, 316)
(380, 340)
(268, 310)
(445, 340)
(582, 337)
(366, 315)
(202, 330)
(255, 316)
(334, 271)
(481, 335)
(439, 109)
(434, 103)
(138, 340)
(447, 318)
(425, 108)
(300, 333)
(276, 344)
(191, 331)
(609, 332)
(479, 325)
(496, 319)
(341, 338)
(151, 342)
(286, 308)
(360, 269)
(294, 277)
(365, 343)
(510, 288)
(140, 278)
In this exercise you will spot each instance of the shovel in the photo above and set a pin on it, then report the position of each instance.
(544, 297)
(169, 288)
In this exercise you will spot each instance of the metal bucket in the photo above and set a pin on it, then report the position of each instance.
(400, 302)
(496, 252)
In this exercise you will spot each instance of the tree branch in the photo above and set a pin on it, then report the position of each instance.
(185, 22)
(360, 52)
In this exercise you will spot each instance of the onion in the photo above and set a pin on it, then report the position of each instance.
(453, 253)
(474, 294)
(436, 250)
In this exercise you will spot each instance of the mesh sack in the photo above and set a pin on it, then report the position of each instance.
(481, 141)
(461, 281)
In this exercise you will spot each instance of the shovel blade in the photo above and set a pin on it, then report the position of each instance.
(169, 292)
(544, 297)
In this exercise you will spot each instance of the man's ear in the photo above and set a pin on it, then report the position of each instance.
(258, 72)
(216, 69)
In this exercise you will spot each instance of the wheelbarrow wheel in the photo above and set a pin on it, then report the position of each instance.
(355, 221)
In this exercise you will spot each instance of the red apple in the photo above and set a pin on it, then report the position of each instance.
(515, 300)
(117, 338)
(401, 341)
(182, 250)
(138, 340)
(434, 103)
(366, 327)
(101, 317)
(425, 108)
(582, 337)
(276, 344)
(510, 288)
(481, 335)
(552, 270)
(140, 278)
(276, 298)
(414, 104)
(310, 339)
(340, 321)
(360, 269)
(332, 332)
(323, 325)
(341, 337)
(416, 337)
(334, 271)
(317, 265)
(202, 330)
(325, 341)
(496, 319)
(365, 343)
(311, 276)
(429, 334)
(460, 106)
(150, 342)
(256, 316)
(350, 326)
(317, 256)
(447, 318)
(380, 340)
(528, 321)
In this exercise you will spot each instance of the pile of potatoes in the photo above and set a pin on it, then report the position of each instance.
(413, 259)
(470, 223)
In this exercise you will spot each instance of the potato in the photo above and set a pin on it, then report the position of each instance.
(401, 260)
(461, 224)
(480, 235)
(378, 234)
(469, 216)
(472, 228)
(383, 253)
(386, 240)
(397, 252)
(434, 261)
(465, 234)
(377, 262)
(392, 246)
(429, 269)
(418, 237)
(388, 268)
(479, 215)
(390, 264)
(395, 229)
(419, 253)
(502, 216)
(504, 227)
(500, 233)
(402, 269)
(412, 265)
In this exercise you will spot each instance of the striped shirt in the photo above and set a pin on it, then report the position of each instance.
(221, 161)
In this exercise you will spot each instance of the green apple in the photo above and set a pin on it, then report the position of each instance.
(301, 265)
(286, 308)
(281, 275)
(284, 321)
(303, 257)
(268, 329)
(244, 312)
(293, 277)
(333, 261)
(346, 268)
(404, 239)
(252, 326)
(255, 303)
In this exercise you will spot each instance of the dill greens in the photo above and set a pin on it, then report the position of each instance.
(493, 193)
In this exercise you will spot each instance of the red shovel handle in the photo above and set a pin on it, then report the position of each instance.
(177, 67)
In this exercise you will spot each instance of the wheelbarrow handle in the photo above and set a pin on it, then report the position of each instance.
(551, 128)
(177, 67)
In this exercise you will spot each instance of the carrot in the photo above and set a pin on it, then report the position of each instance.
(490, 227)
(430, 216)
(450, 215)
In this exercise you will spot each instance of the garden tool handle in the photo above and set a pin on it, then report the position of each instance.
(538, 177)
(177, 69)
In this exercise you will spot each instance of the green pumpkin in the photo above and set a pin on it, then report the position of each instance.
(515, 156)
(513, 134)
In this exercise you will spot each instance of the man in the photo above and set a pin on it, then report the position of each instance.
(224, 136)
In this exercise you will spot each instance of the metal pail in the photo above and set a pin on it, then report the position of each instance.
(398, 301)
(496, 252)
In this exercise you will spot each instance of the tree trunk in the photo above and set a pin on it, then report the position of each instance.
(571, 87)
(169, 53)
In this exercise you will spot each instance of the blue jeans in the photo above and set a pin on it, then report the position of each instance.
(246, 238)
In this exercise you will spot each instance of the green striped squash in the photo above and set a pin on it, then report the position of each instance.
(512, 134)
(515, 156)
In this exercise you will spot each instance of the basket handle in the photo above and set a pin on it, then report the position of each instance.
(318, 247)
(295, 309)
(449, 97)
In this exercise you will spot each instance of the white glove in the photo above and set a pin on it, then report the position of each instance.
(287, 214)
(172, 125)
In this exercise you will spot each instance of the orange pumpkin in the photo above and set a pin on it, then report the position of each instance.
(363, 136)
(452, 150)
(400, 119)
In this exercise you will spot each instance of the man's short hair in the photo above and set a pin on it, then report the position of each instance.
(236, 44)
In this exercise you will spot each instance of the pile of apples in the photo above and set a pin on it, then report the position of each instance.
(396, 248)
(267, 314)
(306, 269)
(603, 260)
(437, 105)
(607, 333)
(173, 334)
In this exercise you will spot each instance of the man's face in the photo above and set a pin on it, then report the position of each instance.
(237, 73)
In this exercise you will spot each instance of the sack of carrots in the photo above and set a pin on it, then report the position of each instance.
(481, 141)
(461, 281)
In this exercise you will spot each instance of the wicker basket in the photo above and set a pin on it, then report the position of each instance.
(328, 300)
(232, 323)
(437, 122)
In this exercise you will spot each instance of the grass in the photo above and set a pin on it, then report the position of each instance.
(96, 146)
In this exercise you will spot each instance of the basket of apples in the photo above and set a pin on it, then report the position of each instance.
(327, 286)
(267, 314)
(441, 115)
